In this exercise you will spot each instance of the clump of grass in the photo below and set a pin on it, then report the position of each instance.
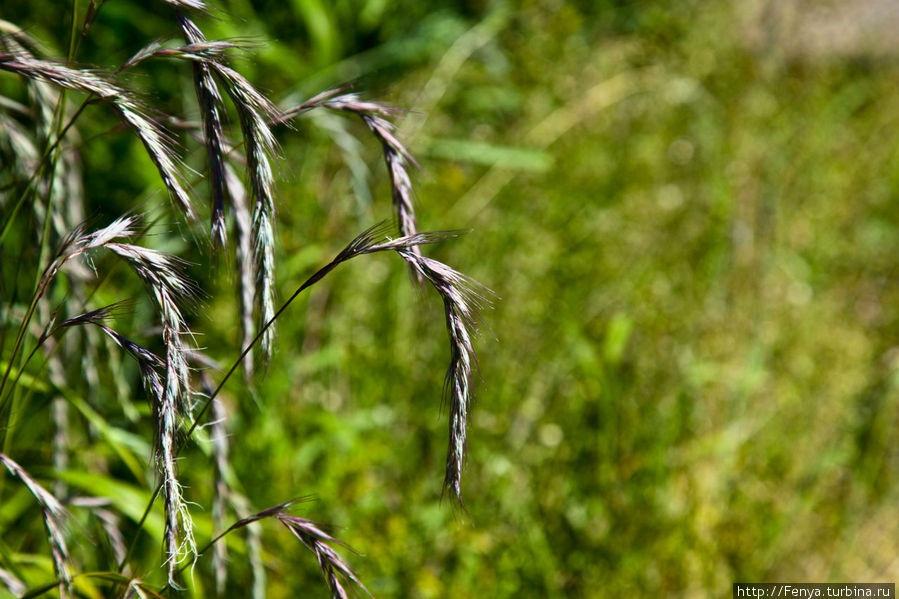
(179, 396)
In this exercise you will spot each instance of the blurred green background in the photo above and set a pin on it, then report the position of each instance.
(687, 211)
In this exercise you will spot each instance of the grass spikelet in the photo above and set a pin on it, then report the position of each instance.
(161, 272)
(138, 588)
(62, 439)
(111, 524)
(55, 516)
(109, 521)
(79, 242)
(226, 495)
(396, 156)
(198, 49)
(179, 538)
(254, 112)
(12, 583)
(156, 140)
(146, 359)
(462, 297)
(335, 570)
(100, 315)
(210, 102)
(198, 5)
(372, 240)
(159, 147)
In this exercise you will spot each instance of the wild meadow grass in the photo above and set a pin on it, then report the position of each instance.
(119, 448)
(687, 208)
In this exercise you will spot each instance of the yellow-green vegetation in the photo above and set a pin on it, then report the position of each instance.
(690, 374)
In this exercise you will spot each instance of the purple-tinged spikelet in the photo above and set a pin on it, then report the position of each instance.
(462, 297)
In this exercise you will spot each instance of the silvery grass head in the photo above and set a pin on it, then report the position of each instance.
(462, 299)
(167, 380)
(179, 537)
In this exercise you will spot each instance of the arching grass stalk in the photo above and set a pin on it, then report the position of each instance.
(336, 572)
(370, 241)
